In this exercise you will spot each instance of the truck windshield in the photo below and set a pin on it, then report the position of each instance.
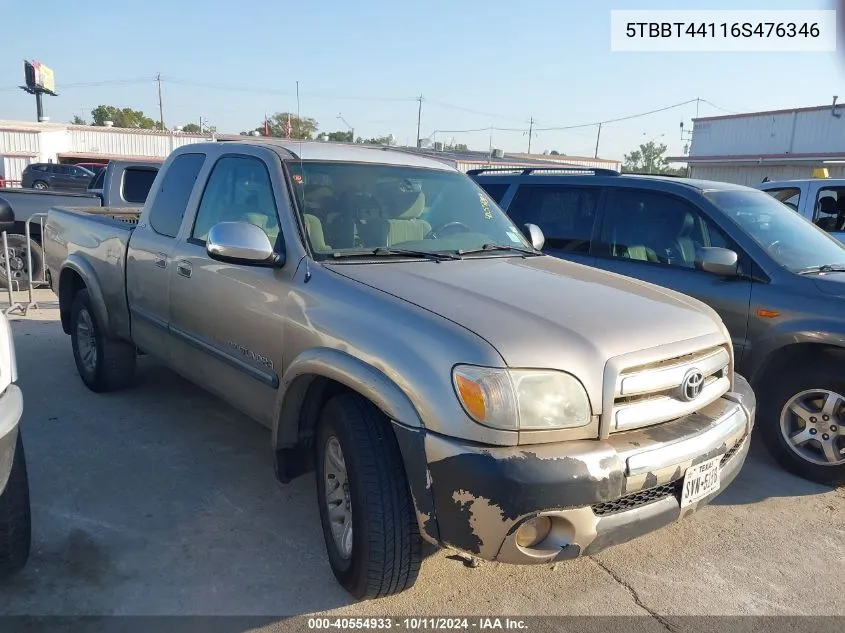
(791, 240)
(351, 208)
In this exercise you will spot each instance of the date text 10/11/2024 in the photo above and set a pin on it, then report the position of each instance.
(418, 623)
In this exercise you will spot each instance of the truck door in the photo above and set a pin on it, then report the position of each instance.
(227, 319)
(150, 257)
(652, 236)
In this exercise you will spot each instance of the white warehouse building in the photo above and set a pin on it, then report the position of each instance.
(779, 145)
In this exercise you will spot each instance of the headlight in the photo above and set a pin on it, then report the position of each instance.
(522, 399)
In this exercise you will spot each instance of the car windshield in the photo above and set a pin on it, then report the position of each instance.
(791, 240)
(353, 208)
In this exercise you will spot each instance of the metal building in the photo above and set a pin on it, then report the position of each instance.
(778, 145)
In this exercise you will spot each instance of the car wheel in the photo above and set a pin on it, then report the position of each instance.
(18, 262)
(103, 364)
(15, 519)
(40, 184)
(802, 417)
(369, 525)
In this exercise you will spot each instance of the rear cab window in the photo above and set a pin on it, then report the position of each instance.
(137, 182)
(170, 203)
(829, 209)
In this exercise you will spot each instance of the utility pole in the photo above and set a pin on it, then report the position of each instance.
(419, 119)
(160, 106)
(530, 133)
(598, 138)
(200, 125)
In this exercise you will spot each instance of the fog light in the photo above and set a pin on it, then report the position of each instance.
(533, 531)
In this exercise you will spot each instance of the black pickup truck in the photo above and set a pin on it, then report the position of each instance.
(121, 184)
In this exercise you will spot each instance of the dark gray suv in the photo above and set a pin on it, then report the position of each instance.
(777, 281)
(56, 176)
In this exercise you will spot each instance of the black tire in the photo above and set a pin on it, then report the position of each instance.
(18, 262)
(43, 185)
(824, 374)
(15, 518)
(386, 544)
(113, 365)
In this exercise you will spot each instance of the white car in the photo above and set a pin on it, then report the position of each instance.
(821, 200)
(15, 532)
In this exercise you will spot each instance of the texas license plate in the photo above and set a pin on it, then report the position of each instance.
(700, 480)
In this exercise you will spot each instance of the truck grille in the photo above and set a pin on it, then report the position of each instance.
(651, 394)
(638, 499)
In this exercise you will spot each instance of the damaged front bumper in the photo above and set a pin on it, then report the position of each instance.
(595, 493)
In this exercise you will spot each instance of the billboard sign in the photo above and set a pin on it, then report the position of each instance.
(39, 77)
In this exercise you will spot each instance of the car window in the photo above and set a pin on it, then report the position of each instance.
(169, 206)
(137, 182)
(656, 227)
(829, 209)
(239, 189)
(790, 196)
(566, 215)
(62, 170)
(97, 183)
(496, 191)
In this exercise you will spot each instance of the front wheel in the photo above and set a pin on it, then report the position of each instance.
(367, 514)
(15, 521)
(802, 421)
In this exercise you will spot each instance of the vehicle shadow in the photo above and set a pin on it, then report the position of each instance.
(157, 500)
(762, 478)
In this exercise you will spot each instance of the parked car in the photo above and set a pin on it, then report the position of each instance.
(774, 278)
(821, 200)
(15, 522)
(445, 380)
(94, 168)
(56, 176)
(121, 184)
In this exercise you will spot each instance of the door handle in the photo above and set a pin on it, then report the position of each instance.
(184, 268)
(161, 260)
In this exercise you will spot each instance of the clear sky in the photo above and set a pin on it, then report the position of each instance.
(496, 62)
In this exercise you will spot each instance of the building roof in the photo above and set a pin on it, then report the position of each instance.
(562, 158)
(765, 113)
(760, 158)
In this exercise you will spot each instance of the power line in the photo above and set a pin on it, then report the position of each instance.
(617, 120)
(713, 105)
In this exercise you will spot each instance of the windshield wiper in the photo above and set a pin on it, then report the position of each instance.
(386, 251)
(486, 248)
(824, 268)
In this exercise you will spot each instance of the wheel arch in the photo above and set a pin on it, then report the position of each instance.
(794, 353)
(76, 275)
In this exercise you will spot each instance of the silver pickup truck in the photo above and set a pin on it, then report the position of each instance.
(399, 336)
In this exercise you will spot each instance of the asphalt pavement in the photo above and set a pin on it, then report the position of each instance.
(161, 500)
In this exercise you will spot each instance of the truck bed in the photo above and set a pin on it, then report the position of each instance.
(96, 239)
(26, 202)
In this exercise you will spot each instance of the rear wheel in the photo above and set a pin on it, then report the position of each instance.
(366, 511)
(18, 262)
(802, 417)
(40, 184)
(103, 364)
(15, 520)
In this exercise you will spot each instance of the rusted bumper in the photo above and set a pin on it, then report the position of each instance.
(11, 409)
(596, 493)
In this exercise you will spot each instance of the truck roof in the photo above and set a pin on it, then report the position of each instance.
(329, 151)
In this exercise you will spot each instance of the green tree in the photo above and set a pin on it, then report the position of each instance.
(78, 120)
(344, 137)
(650, 158)
(123, 117)
(301, 128)
(377, 140)
(554, 152)
(193, 128)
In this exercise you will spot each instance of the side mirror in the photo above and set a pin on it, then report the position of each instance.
(241, 243)
(719, 261)
(536, 236)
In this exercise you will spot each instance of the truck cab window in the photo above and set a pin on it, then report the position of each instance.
(172, 199)
(137, 182)
(238, 190)
(829, 211)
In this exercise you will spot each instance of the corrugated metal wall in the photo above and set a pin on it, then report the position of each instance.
(13, 167)
(127, 143)
(19, 141)
(803, 132)
(751, 175)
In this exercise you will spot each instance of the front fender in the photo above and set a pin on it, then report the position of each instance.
(815, 331)
(89, 277)
(347, 370)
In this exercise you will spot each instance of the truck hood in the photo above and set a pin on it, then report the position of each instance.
(538, 310)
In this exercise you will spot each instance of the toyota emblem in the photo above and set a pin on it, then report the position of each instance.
(692, 384)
